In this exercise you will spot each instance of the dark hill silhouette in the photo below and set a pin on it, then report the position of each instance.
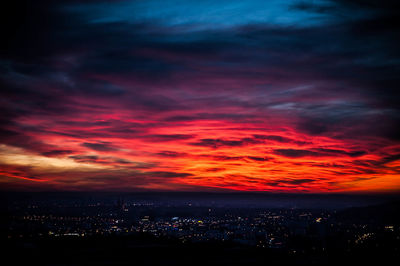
(385, 213)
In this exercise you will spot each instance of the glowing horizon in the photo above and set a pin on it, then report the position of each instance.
(182, 96)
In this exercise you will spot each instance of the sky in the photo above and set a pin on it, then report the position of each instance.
(173, 95)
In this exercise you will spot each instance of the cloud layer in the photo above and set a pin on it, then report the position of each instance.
(183, 95)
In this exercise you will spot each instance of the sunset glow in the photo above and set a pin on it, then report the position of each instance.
(114, 96)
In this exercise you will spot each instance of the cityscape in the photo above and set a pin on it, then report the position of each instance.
(200, 132)
(211, 220)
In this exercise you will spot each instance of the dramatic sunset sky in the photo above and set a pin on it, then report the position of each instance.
(183, 95)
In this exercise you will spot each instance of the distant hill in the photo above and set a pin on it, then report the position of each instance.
(383, 213)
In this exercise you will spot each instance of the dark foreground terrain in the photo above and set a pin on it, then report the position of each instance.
(147, 251)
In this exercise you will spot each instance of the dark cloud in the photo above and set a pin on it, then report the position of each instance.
(85, 158)
(274, 138)
(300, 181)
(55, 153)
(112, 161)
(100, 146)
(216, 143)
(24, 140)
(318, 152)
(292, 153)
(339, 152)
(161, 174)
(215, 169)
(390, 158)
(280, 139)
(171, 154)
(168, 137)
(225, 158)
(259, 159)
